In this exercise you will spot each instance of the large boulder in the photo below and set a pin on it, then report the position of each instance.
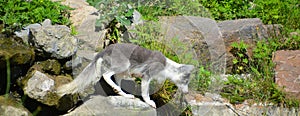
(113, 106)
(20, 58)
(201, 37)
(287, 71)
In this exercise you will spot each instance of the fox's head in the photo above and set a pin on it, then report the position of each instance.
(183, 78)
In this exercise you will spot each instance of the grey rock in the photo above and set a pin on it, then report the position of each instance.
(13, 111)
(113, 106)
(265, 110)
(274, 30)
(55, 40)
(47, 22)
(201, 36)
(10, 107)
(226, 109)
(90, 38)
(24, 33)
(39, 86)
(243, 29)
(208, 106)
(211, 109)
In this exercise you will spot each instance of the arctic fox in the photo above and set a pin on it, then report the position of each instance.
(125, 59)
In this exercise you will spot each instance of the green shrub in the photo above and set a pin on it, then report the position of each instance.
(270, 11)
(278, 12)
(241, 60)
(227, 9)
(203, 79)
(152, 10)
(15, 14)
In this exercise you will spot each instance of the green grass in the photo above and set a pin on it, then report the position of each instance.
(270, 11)
(15, 14)
(260, 86)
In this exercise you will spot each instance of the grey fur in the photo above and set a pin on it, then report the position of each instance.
(123, 60)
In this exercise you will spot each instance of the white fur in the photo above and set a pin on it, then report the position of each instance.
(172, 63)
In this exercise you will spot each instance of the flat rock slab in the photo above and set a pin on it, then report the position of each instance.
(287, 71)
(113, 106)
(211, 104)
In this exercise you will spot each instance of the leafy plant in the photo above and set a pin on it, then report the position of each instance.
(203, 79)
(73, 30)
(241, 59)
(290, 43)
(15, 14)
(111, 11)
(152, 10)
(227, 9)
(237, 90)
(277, 12)
(114, 16)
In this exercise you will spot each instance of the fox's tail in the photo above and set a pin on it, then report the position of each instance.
(89, 76)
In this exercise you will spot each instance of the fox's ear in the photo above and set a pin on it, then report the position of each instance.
(186, 68)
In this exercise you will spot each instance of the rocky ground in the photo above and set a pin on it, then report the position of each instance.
(45, 56)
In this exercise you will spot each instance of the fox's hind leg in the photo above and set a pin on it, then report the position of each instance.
(116, 88)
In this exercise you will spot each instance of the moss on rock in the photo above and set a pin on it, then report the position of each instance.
(16, 52)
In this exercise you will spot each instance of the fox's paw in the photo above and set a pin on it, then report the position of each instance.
(129, 96)
(151, 103)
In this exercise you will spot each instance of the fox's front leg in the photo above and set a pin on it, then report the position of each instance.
(145, 92)
(116, 88)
